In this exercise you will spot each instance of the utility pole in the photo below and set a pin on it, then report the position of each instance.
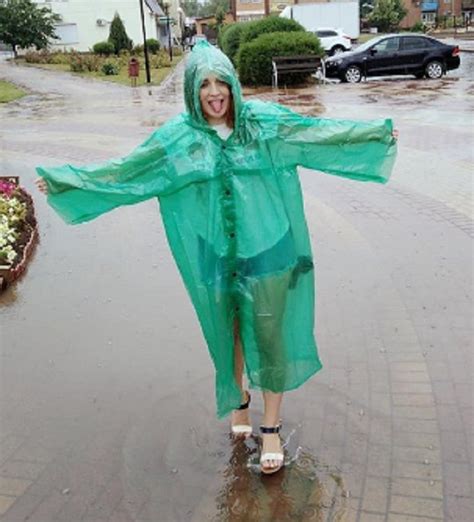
(145, 47)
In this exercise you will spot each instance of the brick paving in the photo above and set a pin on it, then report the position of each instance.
(107, 409)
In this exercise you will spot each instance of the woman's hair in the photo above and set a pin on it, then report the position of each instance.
(230, 116)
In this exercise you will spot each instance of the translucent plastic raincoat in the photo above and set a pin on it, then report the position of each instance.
(233, 214)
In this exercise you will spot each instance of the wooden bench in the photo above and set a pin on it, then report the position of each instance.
(304, 63)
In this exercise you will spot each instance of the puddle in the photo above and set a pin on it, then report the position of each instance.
(189, 468)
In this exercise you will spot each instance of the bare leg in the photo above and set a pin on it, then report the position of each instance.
(239, 416)
(271, 417)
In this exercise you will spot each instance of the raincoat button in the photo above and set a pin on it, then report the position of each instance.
(234, 274)
(232, 234)
(227, 192)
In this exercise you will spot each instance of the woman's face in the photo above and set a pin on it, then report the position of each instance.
(215, 100)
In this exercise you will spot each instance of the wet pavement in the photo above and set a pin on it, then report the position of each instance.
(107, 409)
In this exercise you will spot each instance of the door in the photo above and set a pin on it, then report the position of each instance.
(383, 58)
(413, 51)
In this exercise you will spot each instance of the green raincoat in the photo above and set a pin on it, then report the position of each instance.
(233, 214)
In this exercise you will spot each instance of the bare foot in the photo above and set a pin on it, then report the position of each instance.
(271, 443)
(242, 418)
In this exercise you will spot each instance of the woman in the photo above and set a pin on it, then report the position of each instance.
(230, 199)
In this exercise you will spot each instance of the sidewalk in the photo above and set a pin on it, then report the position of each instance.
(107, 410)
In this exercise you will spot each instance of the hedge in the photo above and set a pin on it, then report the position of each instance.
(271, 24)
(230, 40)
(105, 48)
(254, 59)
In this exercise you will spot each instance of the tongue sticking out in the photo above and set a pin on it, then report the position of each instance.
(216, 105)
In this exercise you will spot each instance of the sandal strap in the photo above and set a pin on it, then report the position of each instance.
(245, 405)
(272, 456)
(270, 429)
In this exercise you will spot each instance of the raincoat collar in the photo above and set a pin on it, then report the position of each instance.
(203, 61)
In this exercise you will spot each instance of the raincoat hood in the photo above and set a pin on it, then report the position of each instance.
(206, 60)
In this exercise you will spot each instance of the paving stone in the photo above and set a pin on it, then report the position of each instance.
(454, 446)
(411, 387)
(423, 507)
(415, 425)
(375, 494)
(13, 486)
(457, 479)
(372, 517)
(409, 453)
(412, 399)
(416, 470)
(459, 509)
(415, 412)
(21, 469)
(6, 503)
(417, 488)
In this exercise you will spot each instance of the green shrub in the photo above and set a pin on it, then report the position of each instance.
(110, 68)
(118, 35)
(43, 56)
(84, 62)
(231, 40)
(59, 58)
(91, 62)
(105, 48)
(153, 45)
(254, 60)
(76, 62)
(157, 61)
(271, 24)
(221, 34)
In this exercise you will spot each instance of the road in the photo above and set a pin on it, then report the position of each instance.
(107, 410)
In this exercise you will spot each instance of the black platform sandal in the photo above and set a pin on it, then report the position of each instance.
(242, 429)
(265, 457)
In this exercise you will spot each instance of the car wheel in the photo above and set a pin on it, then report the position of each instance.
(434, 70)
(353, 74)
(337, 49)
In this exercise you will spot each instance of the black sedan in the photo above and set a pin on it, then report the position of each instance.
(395, 54)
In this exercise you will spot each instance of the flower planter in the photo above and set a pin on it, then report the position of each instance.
(18, 219)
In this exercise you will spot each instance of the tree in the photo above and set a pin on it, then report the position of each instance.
(118, 35)
(387, 14)
(24, 24)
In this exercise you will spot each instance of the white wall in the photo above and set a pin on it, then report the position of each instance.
(79, 29)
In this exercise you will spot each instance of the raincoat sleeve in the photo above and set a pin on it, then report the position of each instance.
(360, 150)
(80, 194)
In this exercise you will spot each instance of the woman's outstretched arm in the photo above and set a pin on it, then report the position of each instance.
(80, 194)
(355, 149)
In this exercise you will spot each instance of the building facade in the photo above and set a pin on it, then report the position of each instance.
(429, 12)
(86, 22)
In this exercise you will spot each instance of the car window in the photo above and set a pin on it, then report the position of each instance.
(323, 34)
(387, 46)
(414, 42)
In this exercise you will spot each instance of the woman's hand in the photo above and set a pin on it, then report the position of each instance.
(395, 134)
(42, 186)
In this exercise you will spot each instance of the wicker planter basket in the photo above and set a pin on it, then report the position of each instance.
(28, 237)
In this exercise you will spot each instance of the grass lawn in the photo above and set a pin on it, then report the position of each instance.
(9, 92)
(157, 75)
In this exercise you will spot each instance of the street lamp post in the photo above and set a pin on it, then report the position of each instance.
(166, 5)
(145, 47)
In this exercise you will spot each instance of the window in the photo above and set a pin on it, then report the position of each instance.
(428, 18)
(67, 34)
(324, 34)
(387, 46)
(414, 43)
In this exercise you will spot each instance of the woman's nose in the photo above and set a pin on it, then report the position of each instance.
(213, 88)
